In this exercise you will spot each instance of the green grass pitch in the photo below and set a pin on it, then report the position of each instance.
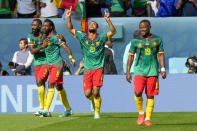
(169, 121)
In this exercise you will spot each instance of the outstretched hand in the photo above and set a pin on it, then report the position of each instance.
(45, 43)
(69, 12)
(128, 77)
(106, 16)
(163, 75)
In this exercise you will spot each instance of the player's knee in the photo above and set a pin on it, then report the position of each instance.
(59, 87)
(39, 82)
(51, 84)
(138, 94)
(96, 94)
(150, 97)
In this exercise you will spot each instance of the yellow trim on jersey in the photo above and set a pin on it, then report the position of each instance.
(161, 52)
(75, 33)
(108, 38)
(29, 44)
(130, 53)
(62, 43)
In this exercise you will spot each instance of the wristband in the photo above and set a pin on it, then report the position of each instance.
(70, 57)
(163, 69)
(73, 60)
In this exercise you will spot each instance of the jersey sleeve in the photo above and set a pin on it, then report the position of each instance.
(30, 40)
(103, 38)
(160, 47)
(79, 35)
(132, 49)
(58, 42)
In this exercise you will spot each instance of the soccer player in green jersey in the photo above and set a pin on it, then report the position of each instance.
(37, 44)
(149, 51)
(92, 46)
(55, 66)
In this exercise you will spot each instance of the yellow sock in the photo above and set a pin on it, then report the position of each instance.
(149, 108)
(139, 103)
(63, 98)
(45, 97)
(91, 98)
(41, 93)
(51, 92)
(97, 105)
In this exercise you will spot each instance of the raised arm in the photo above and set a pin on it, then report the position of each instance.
(69, 23)
(111, 26)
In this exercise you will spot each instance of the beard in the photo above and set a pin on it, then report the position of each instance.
(46, 32)
(92, 30)
(36, 31)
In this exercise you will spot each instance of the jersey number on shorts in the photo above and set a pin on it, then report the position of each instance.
(147, 51)
(92, 49)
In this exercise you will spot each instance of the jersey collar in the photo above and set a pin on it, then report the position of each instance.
(92, 38)
(149, 36)
(50, 34)
(40, 35)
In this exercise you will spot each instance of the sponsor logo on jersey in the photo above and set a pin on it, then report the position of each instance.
(154, 44)
(97, 43)
(139, 45)
(146, 44)
(86, 42)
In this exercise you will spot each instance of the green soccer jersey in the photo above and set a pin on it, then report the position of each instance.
(52, 51)
(93, 50)
(117, 5)
(140, 3)
(40, 57)
(5, 10)
(146, 49)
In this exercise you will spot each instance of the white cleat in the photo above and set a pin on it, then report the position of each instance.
(97, 116)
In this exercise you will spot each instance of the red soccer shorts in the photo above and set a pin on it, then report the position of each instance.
(151, 84)
(92, 78)
(56, 74)
(41, 72)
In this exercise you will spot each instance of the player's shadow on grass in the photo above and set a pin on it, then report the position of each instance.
(176, 124)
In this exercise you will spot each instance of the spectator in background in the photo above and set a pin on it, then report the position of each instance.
(117, 8)
(6, 8)
(23, 59)
(93, 8)
(3, 72)
(166, 8)
(28, 8)
(139, 8)
(48, 9)
(109, 66)
(187, 7)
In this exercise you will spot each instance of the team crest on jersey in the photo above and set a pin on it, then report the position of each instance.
(97, 43)
(139, 45)
(86, 42)
(154, 44)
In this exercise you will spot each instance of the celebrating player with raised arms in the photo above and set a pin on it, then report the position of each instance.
(92, 46)
(149, 51)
